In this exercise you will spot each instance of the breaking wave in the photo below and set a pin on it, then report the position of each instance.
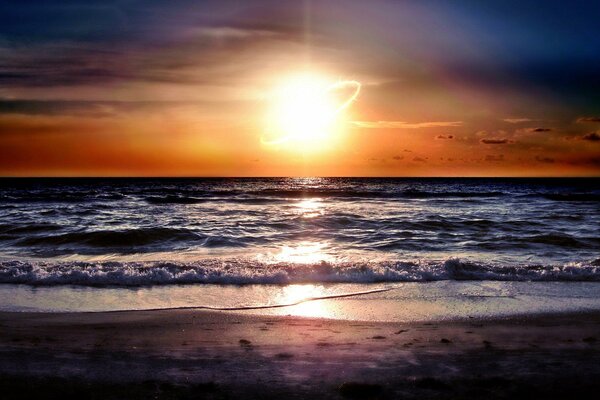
(246, 271)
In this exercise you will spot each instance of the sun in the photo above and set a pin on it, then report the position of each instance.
(305, 110)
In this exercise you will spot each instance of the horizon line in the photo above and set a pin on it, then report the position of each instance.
(293, 177)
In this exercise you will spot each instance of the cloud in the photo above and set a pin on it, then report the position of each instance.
(64, 108)
(405, 125)
(575, 78)
(398, 158)
(442, 137)
(227, 32)
(591, 137)
(98, 109)
(495, 141)
(540, 130)
(211, 54)
(589, 161)
(516, 120)
(547, 160)
(588, 119)
(36, 107)
(494, 158)
(419, 159)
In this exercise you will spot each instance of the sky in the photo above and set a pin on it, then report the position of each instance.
(194, 88)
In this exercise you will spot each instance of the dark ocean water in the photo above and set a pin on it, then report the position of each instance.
(162, 231)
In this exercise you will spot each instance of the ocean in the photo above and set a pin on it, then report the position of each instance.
(104, 244)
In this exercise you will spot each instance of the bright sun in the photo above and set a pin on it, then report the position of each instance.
(305, 110)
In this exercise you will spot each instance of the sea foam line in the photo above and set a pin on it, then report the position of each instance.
(260, 307)
(250, 271)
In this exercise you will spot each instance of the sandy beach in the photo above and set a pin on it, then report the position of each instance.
(201, 354)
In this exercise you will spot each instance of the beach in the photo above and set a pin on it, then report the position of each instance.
(207, 354)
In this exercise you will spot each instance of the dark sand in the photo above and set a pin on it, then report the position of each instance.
(200, 354)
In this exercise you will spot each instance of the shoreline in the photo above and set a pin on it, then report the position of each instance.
(242, 312)
(226, 354)
(403, 302)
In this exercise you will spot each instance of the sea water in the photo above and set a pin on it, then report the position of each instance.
(412, 247)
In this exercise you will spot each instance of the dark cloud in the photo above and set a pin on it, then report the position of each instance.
(519, 57)
(593, 161)
(575, 79)
(419, 159)
(547, 160)
(52, 108)
(85, 43)
(151, 40)
(104, 108)
(442, 137)
(495, 141)
(540, 130)
(398, 158)
(591, 137)
(211, 55)
(588, 119)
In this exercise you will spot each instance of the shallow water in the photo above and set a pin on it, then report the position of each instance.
(409, 301)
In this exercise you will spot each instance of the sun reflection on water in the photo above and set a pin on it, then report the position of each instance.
(300, 295)
(304, 253)
(310, 208)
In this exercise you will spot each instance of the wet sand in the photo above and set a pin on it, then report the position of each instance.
(204, 354)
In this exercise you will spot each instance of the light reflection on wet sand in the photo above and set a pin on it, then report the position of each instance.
(410, 301)
(299, 293)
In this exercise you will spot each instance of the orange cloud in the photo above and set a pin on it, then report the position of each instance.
(404, 125)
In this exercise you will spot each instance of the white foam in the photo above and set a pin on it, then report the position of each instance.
(240, 271)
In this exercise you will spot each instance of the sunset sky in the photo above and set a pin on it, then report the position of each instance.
(194, 88)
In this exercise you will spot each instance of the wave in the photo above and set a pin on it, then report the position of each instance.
(267, 195)
(556, 240)
(158, 200)
(62, 197)
(174, 200)
(250, 271)
(430, 234)
(417, 194)
(261, 196)
(31, 228)
(595, 197)
(107, 238)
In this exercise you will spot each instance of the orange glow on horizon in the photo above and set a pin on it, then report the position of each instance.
(321, 129)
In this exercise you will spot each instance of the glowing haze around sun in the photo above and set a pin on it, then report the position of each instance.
(305, 111)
